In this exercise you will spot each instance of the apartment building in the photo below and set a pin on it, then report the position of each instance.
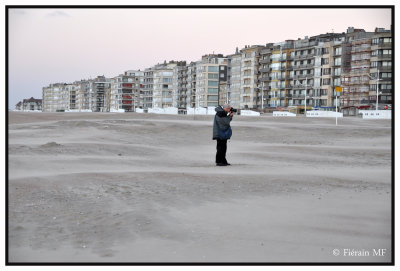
(54, 97)
(249, 92)
(356, 79)
(303, 75)
(210, 71)
(191, 85)
(179, 96)
(148, 88)
(264, 78)
(281, 74)
(126, 90)
(381, 67)
(234, 78)
(100, 94)
(82, 95)
(163, 84)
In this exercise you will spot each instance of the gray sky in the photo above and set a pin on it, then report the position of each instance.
(63, 45)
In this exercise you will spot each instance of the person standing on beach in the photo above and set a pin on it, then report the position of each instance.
(222, 132)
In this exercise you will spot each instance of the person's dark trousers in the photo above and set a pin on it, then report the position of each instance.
(221, 152)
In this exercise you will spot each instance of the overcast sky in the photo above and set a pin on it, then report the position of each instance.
(63, 45)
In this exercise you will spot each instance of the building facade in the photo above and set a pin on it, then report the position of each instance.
(30, 104)
(127, 91)
(381, 67)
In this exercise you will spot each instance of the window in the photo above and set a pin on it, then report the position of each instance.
(326, 71)
(386, 52)
(326, 81)
(337, 72)
(386, 75)
(222, 68)
(213, 83)
(338, 61)
(325, 61)
(386, 86)
(212, 69)
(221, 75)
(212, 98)
(338, 51)
(386, 63)
(212, 76)
(213, 90)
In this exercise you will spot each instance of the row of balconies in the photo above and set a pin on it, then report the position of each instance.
(303, 66)
(304, 56)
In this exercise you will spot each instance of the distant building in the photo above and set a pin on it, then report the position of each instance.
(18, 106)
(30, 104)
(211, 71)
(127, 91)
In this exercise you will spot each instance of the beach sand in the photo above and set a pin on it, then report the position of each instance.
(109, 187)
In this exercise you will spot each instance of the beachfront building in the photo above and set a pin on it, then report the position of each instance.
(54, 97)
(234, 78)
(148, 88)
(30, 104)
(381, 60)
(18, 106)
(250, 97)
(281, 74)
(210, 71)
(162, 84)
(99, 94)
(191, 85)
(82, 91)
(356, 79)
(303, 75)
(126, 92)
(264, 79)
(179, 87)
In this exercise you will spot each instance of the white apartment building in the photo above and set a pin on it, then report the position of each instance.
(249, 76)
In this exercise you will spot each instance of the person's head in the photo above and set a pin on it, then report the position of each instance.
(227, 107)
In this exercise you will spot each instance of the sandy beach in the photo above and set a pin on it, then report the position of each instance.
(109, 187)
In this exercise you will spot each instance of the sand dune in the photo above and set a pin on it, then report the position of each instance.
(87, 187)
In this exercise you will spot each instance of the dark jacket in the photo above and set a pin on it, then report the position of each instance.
(223, 120)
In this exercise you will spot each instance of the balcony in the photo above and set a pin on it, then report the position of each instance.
(264, 70)
(263, 79)
(289, 86)
(264, 61)
(383, 45)
(265, 88)
(300, 76)
(304, 66)
(383, 68)
(386, 80)
(385, 57)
